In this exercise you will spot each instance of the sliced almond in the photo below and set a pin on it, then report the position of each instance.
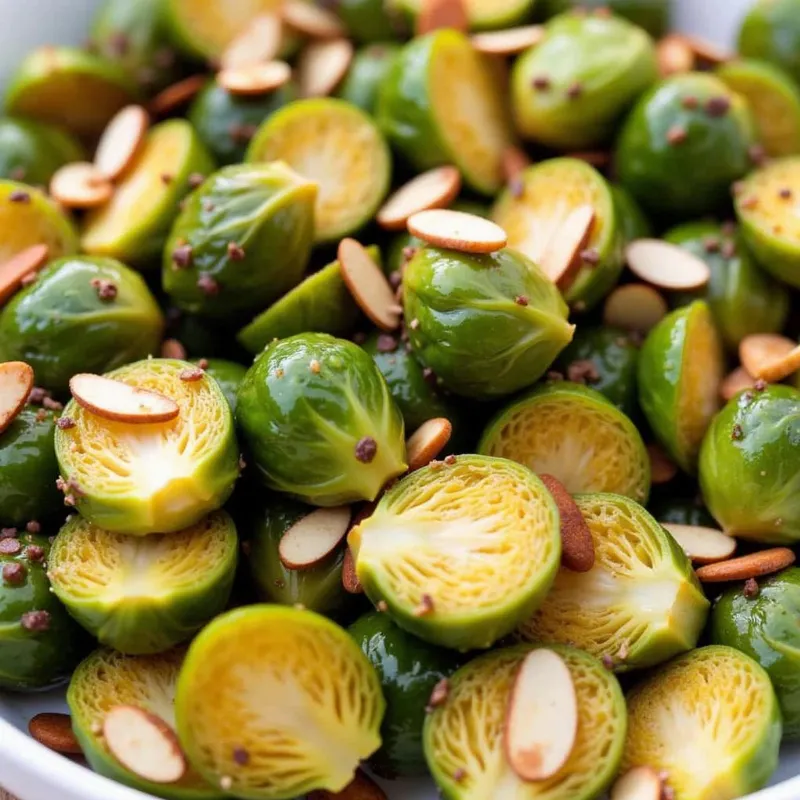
(577, 546)
(561, 258)
(259, 42)
(769, 356)
(119, 401)
(674, 56)
(639, 783)
(435, 14)
(457, 230)
(350, 581)
(754, 565)
(635, 307)
(702, 545)
(427, 442)
(314, 537)
(26, 262)
(312, 20)
(362, 787)
(662, 468)
(541, 718)
(176, 95)
(436, 188)
(55, 732)
(80, 185)
(255, 79)
(144, 744)
(704, 50)
(322, 66)
(508, 42)
(368, 285)
(16, 382)
(515, 162)
(121, 140)
(666, 265)
(737, 381)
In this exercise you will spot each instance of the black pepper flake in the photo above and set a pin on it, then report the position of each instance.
(36, 621)
(438, 695)
(366, 448)
(10, 547)
(425, 606)
(608, 662)
(409, 253)
(689, 102)
(554, 375)
(386, 343)
(521, 300)
(235, 252)
(541, 83)
(106, 290)
(575, 90)
(718, 106)
(590, 256)
(676, 135)
(760, 385)
(65, 423)
(182, 256)
(450, 460)
(711, 244)
(196, 179)
(241, 756)
(459, 775)
(37, 395)
(166, 178)
(395, 279)
(737, 432)
(757, 154)
(429, 375)
(750, 589)
(19, 196)
(34, 552)
(33, 527)
(583, 371)
(191, 374)
(208, 285)
(785, 193)
(14, 573)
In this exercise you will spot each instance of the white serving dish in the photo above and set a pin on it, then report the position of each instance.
(28, 769)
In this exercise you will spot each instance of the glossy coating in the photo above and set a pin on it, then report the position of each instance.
(652, 15)
(229, 375)
(370, 67)
(371, 20)
(771, 31)
(32, 151)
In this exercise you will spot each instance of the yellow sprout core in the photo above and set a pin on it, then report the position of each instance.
(773, 214)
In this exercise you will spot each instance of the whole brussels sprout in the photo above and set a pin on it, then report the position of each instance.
(228, 374)
(319, 420)
(370, 66)
(371, 20)
(32, 151)
(652, 15)
(771, 31)
(750, 466)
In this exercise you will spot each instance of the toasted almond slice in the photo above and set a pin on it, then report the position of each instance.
(597, 158)
(258, 43)
(121, 141)
(55, 732)
(255, 79)
(312, 20)
(16, 382)
(769, 356)
(666, 265)
(541, 718)
(350, 581)
(560, 259)
(662, 468)
(435, 14)
(119, 401)
(80, 185)
(639, 783)
(427, 442)
(674, 56)
(144, 744)
(705, 50)
(737, 381)
(176, 95)
(634, 307)
(515, 162)
(27, 261)
(436, 188)
(314, 537)
(362, 787)
(577, 546)
(368, 285)
(456, 230)
(508, 42)
(764, 562)
(702, 545)
(322, 66)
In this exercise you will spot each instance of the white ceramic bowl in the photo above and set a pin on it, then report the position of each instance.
(31, 771)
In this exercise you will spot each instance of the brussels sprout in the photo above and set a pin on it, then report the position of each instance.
(39, 643)
(76, 300)
(134, 224)
(639, 605)
(681, 511)
(339, 147)
(749, 467)
(652, 15)
(551, 191)
(367, 72)
(371, 20)
(483, 13)
(592, 68)
(487, 325)
(668, 137)
(435, 80)
(107, 679)
(69, 87)
(710, 721)
(144, 594)
(771, 31)
(228, 374)
(439, 539)
(28, 469)
(573, 433)
(201, 337)
(320, 422)
(742, 298)
(32, 151)
(464, 736)
(633, 223)
(301, 662)
(680, 369)
(157, 477)
(226, 122)
(242, 239)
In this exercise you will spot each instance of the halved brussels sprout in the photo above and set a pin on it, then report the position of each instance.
(319, 421)
(228, 374)
(460, 553)
(464, 736)
(487, 325)
(371, 20)
(652, 15)
(681, 365)
(157, 477)
(750, 466)
(771, 31)
(366, 75)
(573, 433)
(76, 300)
(144, 594)
(339, 147)
(32, 151)
(107, 679)
(710, 721)
(286, 687)
(639, 605)
(242, 239)
(570, 91)
(483, 13)
(632, 222)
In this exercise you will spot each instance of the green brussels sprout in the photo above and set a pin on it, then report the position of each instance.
(463, 737)
(666, 138)
(28, 469)
(39, 643)
(75, 300)
(632, 221)
(487, 325)
(144, 594)
(370, 21)
(242, 239)
(483, 14)
(201, 337)
(228, 374)
(742, 298)
(320, 422)
(570, 91)
(367, 72)
(155, 477)
(749, 468)
(771, 31)
(319, 704)
(438, 540)
(681, 511)
(32, 151)
(652, 15)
